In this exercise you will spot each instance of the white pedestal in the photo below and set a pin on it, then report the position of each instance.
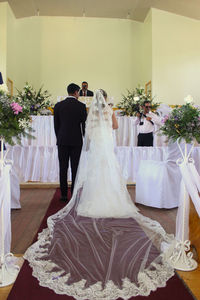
(181, 258)
(8, 271)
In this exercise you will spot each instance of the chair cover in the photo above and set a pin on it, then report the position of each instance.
(15, 189)
(5, 221)
(158, 182)
(14, 183)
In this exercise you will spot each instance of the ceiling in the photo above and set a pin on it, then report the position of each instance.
(122, 9)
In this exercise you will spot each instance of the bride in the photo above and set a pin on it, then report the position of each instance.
(99, 246)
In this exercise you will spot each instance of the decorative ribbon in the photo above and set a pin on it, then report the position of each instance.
(190, 187)
(179, 252)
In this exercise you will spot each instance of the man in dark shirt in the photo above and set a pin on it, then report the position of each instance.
(84, 91)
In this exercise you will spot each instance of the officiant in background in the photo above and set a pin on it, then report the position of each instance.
(84, 92)
(146, 120)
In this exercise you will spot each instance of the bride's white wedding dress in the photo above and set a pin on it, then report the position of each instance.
(99, 246)
(104, 192)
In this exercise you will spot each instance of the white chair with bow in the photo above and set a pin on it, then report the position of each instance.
(158, 182)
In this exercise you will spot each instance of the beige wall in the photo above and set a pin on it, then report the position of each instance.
(109, 53)
(27, 55)
(175, 57)
(100, 51)
(55, 51)
(146, 50)
(3, 39)
(11, 65)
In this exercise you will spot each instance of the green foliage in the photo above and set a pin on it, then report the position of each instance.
(184, 123)
(36, 102)
(14, 120)
(133, 101)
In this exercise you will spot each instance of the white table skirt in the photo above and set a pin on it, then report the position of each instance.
(5, 205)
(125, 135)
(40, 163)
(37, 159)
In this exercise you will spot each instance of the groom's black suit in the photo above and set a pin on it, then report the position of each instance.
(69, 124)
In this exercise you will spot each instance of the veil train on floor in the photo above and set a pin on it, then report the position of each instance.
(99, 246)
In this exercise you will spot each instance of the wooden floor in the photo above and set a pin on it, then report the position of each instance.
(26, 221)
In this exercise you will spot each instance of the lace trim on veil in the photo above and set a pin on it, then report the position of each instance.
(52, 276)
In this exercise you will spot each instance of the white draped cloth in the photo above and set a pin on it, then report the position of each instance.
(15, 185)
(41, 163)
(190, 187)
(15, 189)
(5, 206)
(37, 159)
(158, 182)
(126, 135)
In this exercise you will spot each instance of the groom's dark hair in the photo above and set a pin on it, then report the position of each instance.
(72, 88)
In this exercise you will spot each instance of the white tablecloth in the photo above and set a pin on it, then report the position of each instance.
(37, 160)
(40, 163)
(5, 206)
(126, 135)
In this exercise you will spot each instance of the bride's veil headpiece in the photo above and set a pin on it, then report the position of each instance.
(98, 137)
(99, 112)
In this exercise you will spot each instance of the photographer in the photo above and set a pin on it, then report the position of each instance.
(146, 120)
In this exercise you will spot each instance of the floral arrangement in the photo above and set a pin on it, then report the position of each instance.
(183, 122)
(3, 89)
(14, 119)
(132, 103)
(37, 102)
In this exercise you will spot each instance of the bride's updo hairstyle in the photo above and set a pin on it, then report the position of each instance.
(104, 93)
(99, 104)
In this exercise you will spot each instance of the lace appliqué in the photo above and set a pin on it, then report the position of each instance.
(51, 276)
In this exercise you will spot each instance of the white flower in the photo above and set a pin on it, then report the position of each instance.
(45, 112)
(136, 98)
(4, 88)
(188, 99)
(23, 123)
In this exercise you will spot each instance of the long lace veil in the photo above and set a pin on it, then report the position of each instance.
(99, 246)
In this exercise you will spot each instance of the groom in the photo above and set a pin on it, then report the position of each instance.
(69, 124)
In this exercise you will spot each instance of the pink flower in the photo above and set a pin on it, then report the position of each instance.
(16, 108)
(165, 119)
